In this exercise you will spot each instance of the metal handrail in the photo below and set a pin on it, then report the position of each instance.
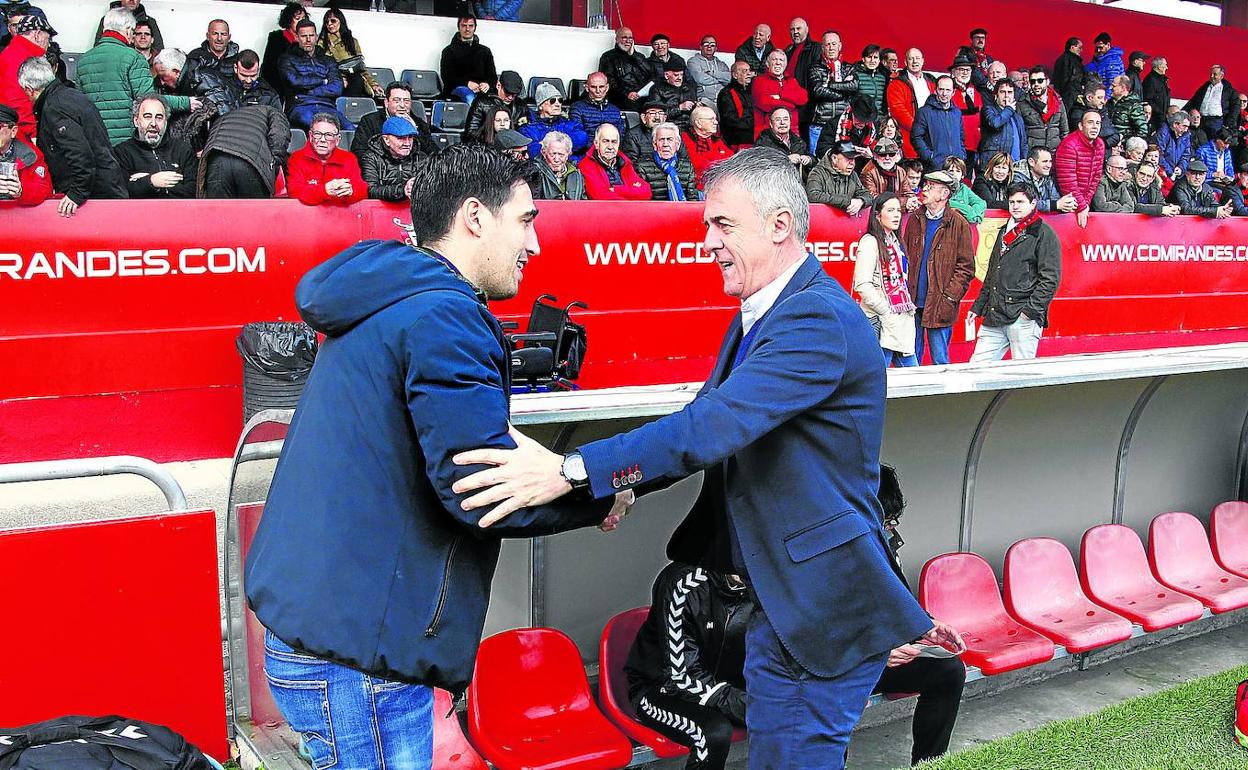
(51, 470)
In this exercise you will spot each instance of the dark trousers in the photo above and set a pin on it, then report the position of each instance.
(705, 730)
(797, 720)
(226, 176)
(938, 681)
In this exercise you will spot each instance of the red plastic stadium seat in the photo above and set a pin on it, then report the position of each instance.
(451, 749)
(617, 640)
(960, 589)
(530, 707)
(1042, 590)
(1180, 555)
(1228, 532)
(1115, 573)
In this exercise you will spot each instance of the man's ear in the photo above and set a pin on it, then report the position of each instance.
(780, 226)
(473, 214)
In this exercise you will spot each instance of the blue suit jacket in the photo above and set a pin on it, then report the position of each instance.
(791, 440)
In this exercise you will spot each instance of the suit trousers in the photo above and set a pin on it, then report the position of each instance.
(798, 720)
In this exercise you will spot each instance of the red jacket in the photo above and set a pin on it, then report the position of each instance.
(33, 173)
(308, 175)
(970, 107)
(1078, 165)
(18, 51)
(903, 105)
(598, 185)
(704, 152)
(770, 93)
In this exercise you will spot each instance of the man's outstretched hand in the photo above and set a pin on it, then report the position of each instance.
(520, 477)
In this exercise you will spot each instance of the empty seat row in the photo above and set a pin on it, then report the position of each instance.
(1046, 602)
(427, 84)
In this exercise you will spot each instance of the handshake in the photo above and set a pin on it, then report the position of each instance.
(518, 478)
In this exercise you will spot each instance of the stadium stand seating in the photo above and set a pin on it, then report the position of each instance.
(1228, 534)
(537, 80)
(383, 75)
(617, 639)
(576, 89)
(444, 140)
(418, 110)
(298, 138)
(344, 139)
(1042, 590)
(961, 590)
(530, 706)
(1181, 558)
(355, 107)
(450, 116)
(1115, 574)
(425, 83)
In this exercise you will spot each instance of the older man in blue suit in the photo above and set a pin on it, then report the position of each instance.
(788, 430)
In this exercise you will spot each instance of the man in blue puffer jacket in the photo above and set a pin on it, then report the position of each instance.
(1107, 63)
(938, 132)
(312, 78)
(370, 578)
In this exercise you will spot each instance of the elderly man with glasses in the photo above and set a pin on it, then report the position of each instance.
(548, 116)
(321, 173)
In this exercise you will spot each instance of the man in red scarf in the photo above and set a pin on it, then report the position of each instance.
(1043, 112)
(1023, 274)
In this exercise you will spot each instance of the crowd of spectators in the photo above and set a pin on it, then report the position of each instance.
(143, 117)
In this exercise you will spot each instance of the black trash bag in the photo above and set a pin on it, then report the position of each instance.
(280, 349)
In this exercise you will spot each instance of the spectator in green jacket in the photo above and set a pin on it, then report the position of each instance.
(113, 75)
(964, 200)
(872, 77)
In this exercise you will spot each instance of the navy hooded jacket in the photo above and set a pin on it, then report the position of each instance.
(364, 556)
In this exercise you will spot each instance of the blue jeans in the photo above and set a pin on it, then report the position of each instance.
(937, 339)
(893, 358)
(350, 720)
(796, 719)
(815, 133)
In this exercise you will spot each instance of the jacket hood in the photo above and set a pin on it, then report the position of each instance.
(370, 276)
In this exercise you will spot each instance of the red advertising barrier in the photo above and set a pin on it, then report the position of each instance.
(1021, 33)
(118, 325)
(117, 617)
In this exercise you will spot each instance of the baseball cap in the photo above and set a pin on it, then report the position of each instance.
(398, 126)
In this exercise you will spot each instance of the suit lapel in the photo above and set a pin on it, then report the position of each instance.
(726, 351)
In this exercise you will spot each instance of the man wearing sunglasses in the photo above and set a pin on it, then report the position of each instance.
(548, 116)
(1043, 111)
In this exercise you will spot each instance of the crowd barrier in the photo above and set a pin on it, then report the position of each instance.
(126, 314)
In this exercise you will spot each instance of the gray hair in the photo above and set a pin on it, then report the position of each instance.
(325, 117)
(1136, 143)
(170, 59)
(1178, 117)
(771, 181)
(675, 129)
(137, 106)
(118, 20)
(603, 127)
(701, 111)
(1158, 60)
(35, 74)
(556, 137)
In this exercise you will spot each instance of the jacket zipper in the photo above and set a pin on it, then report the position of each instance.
(432, 630)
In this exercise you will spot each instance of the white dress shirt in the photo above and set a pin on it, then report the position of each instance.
(1212, 103)
(758, 303)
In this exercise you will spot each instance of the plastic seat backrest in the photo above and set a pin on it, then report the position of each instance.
(450, 116)
(425, 83)
(1228, 534)
(298, 138)
(960, 589)
(537, 80)
(344, 139)
(354, 107)
(383, 75)
(1179, 548)
(1112, 562)
(522, 675)
(617, 641)
(1040, 578)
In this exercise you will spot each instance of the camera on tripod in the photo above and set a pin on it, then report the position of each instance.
(548, 355)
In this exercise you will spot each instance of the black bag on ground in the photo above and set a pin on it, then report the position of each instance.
(97, 743)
